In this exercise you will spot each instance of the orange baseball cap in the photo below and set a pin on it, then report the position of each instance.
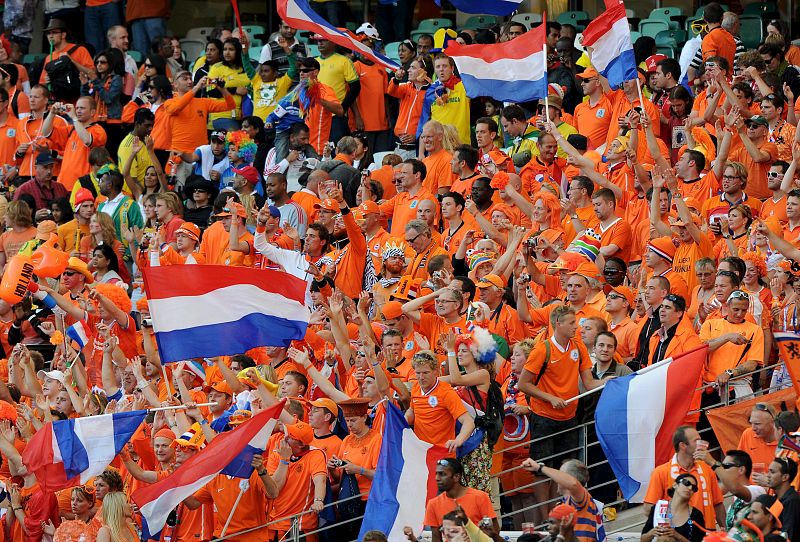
(588, 73)
(238, 207)
(625, 292)
(221, 386)
(328, 404)
(189, 229)
(369, 207)
(491, 280)
(301, 431)
(392, 310)
(328, 205)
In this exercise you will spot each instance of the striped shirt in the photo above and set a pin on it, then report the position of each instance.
(589, 518)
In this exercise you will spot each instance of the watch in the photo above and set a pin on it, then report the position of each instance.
(729, 372)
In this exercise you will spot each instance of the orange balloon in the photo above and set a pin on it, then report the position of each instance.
(17, 275)
(48, 261)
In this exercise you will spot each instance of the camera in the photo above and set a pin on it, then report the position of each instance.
(147, 322)
(218, 82)
(338, 463)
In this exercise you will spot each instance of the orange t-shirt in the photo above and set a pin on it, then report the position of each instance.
(663, 478)
(30, 131)
(757, 171)
(719, 42)
(329, 444)
(189, 118)
(433, 326)
(222, 492)
(215, 243)
(371, 99)
(759, 450)
(439, 173)
(702, 189)
(729, 355)
(11, 241)
(385, 176)
(686, 255)
(297, 493)
(402, 209)
(318, 119)
(436, 412)
(587, 216)
(8, 141)
(76, 154)
(770, 207)
(411, 100)
(627, 334)
(305, 199)
(364, 453)
(619, 233)
(593, 122)
(560, 377)
(476, 505)
(81, 56)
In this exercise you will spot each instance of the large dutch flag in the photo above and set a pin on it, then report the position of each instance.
(514, 71)
(67, 452)
(406, 465)
(230, 453)
(609, 38)
(215, 310)
(298, 14)
(637, 415)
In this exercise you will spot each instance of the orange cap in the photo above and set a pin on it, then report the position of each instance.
(328, 205)
(491, 280)
(369, 207)
(392, 310)
(588, 73)
(301, 431)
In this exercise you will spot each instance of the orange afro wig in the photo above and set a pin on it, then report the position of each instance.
(758, 261)
(142, 305)
(116, 295)
(8, 412)
(551, 203)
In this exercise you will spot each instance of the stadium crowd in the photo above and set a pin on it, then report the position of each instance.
(476, 264)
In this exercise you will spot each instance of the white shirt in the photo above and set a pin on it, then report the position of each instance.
(112, 204)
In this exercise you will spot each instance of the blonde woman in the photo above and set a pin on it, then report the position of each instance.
(19, 230)
(102, 232)
(117, 520)
(169, 213)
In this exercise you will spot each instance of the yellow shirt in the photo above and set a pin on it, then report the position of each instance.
(336, 71)
(455, 111)
(234, 78)
(139, 166)
(267, 95)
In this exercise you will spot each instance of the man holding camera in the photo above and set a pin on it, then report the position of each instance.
(190, 114)
(84, 135)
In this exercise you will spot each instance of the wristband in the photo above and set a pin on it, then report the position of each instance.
(451, 354)
(318, 499)
(284, 462)
(344, 211)
(539, 470)
(142, 384)
(376, 364)
(204, 422)
(262, 472)
(362, 471)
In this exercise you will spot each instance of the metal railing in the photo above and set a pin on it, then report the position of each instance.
(294, 534)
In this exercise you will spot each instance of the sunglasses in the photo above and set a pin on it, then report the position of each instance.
(739, 294)
(615, 296)
(148, 65)
(763, 407)
(688, 483)
(69, 273)
(727, 466)
(774, 174)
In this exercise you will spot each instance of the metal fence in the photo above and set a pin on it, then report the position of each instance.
(582, 451)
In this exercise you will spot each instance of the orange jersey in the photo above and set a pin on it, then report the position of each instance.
(319, 119)
(756, 171)
(594, 121)
(719, 42)
(402, 209)
(411, 99)
(617, 233)
(709, 496)
(700, 189)
(251, 511)
(436, 412)
(561, 375)
(297, 493)
(476, 505)
(439, 173)
(729, 355)
(8, 141)
(364, 453)
(189, 117)
(76, 154)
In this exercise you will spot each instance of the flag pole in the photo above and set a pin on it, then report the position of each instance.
(639, 90)
(244, 484)
(546, 79)
(180, 407)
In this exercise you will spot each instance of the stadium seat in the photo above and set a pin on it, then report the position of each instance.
(256, 44)
(391, 50)
(200, 33)
(254, 53)
(752, 30)
(651, 28)
(761, 8)
(312, 49)
(671, 38)
(32, 58)
(630, 14)
(415, 34)
(254, 29)
(193, 48)
(666, 14)
(303, 36)
(688, 25)
(429, 26)
(667, 51)
(575, 18)
(635, 35)
(136, 55)
(528, 19)
(480, 21)
(701, 9)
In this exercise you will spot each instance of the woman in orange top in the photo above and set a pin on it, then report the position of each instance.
(546, 212)
(358, 457)
(82, 509)
(736, 231)
(411, 96)
(118, 523)
(106, 89)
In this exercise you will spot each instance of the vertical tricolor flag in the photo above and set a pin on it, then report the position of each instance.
(609, 38)
(514, 71)
(637, 415)
(405, 474)
(789, 349)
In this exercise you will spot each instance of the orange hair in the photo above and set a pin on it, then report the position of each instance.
(117, 295)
